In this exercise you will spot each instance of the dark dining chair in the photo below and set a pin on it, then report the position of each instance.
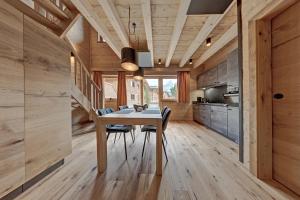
(162, 114)
(152, 129)
(117, 128)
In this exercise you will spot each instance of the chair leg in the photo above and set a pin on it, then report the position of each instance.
(165, 150)
(115, 137)
(107, 135)
(132, 137)
(165, 138)
(144, 144)
(125, 145)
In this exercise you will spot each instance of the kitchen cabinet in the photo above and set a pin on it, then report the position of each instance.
(205, 115)
(211, 77)
(222, 72)
(201, 83)
(233, 69)
(196, 113)
(219, 119)
(233, 123)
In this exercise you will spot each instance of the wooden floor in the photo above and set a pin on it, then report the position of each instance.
(202, 165)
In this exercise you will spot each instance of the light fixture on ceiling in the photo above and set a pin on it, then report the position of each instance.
(128, 61)
(208, 42)
(139, 74)
(191, 61)
(159, 61)
(100, 39)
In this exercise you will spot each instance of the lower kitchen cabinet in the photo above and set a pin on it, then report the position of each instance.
(233, 124)
(219, 119)
(205, 115)
(224, 120)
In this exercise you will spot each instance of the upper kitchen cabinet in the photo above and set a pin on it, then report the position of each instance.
(211, 77)
(201, 82)
(233, 69)
(222, 72)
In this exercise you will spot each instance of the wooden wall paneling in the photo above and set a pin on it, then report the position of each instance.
(47, 98)
(12, 155)
(102, 56)
(79, 37)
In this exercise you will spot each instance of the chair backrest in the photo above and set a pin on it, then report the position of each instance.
(109, 110)
(163, 110)
(101, 111)
(165, 119)
(123, 107)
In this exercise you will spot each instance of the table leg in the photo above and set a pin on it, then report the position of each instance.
(159, 148)
(101, 147)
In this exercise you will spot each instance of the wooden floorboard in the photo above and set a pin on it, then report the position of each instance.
(202, 165)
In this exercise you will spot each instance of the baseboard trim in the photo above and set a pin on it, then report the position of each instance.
(13, 194)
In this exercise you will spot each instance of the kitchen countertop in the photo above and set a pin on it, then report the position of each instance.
(216, 104)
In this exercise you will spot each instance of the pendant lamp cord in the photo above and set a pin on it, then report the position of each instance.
(129, 26)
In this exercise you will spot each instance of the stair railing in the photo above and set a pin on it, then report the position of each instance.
(83, 80)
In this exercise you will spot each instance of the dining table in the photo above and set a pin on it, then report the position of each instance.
(127, 117)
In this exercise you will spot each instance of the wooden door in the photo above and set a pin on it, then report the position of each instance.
(286, 97)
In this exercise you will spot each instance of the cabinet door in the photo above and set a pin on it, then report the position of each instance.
(212, 76)
(222, 72)
(201, 81)
(233, 124)
(219, 120)
(233, 69)
(196, 113)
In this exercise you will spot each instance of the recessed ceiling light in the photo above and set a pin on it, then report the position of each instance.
(208, 42)
(191, 61)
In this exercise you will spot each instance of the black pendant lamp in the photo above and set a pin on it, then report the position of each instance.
(128, 59)
(139, 74)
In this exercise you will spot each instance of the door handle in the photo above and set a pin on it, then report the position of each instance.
(278, 96)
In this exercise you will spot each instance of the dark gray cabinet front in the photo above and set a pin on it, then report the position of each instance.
(219, 119)
(205, 115)
(233, 124)
(222, 72)
(211, 77)
(233, 69)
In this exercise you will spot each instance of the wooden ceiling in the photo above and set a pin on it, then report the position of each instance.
(174, 36)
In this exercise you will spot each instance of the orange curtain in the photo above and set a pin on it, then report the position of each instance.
(121, 95)
(183, 85)
(97, 97)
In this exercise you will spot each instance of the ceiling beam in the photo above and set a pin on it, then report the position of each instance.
(211, 22)
(87, 11)
(179, 24)
(227, 37)
(146, 10)
(113, 17)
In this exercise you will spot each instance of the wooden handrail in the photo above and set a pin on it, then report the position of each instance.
(83, 80)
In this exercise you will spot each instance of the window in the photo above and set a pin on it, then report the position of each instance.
(133, 92)
(132, 83)
(151, 92)
(110, 87)
(170, 89)
(132, 97)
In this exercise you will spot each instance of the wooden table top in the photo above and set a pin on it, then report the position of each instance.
(131, 113)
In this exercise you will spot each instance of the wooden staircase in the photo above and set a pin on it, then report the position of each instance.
(84, 90)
